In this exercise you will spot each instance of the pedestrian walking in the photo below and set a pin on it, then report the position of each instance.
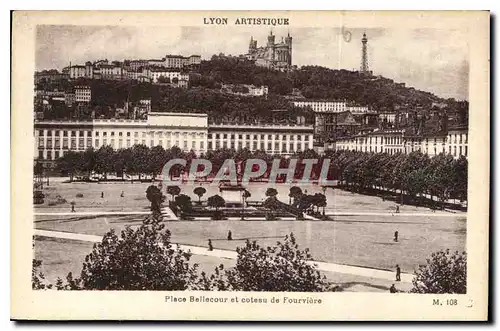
(210, 246)
(229, 235)
(393, 289)
(396, 234)
(102, 195)
(72, 207)
(398, 273)
(122, 194)
(397, 209)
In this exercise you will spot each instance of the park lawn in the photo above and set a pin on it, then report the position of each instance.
(352, 240)
(134, 198)
(60, 256)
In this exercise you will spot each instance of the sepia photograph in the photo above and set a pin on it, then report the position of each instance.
(250, 152)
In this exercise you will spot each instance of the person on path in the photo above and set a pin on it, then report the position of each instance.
(396, 233)
(393, 289)
(72, 208)
(229, 235)
(122, 194)
(397, 209)
(102, 195)
(210, 246)
(398, 273)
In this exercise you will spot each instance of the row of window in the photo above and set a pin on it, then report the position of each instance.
(455, 152)
(72, 133)
(399, 140)
(72, 144)
(256, 136)
(460, 138)
(285, 147)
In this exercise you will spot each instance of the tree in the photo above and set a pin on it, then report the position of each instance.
(139, 161)
(104, 160)
(183, 202)
(320, 201)
(295, 193)
(173, 190)
(154, 195)
(280, 268)
(199, 191)
(140, 259)
(69, 163)
(88, 161)
(163, 79)
(271, 192)
(37, 277)
(216, 201)
(443, 273)
(156, 160)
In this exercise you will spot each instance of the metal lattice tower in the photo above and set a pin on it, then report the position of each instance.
(364, 55)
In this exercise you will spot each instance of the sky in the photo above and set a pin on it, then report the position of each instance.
(431, 60)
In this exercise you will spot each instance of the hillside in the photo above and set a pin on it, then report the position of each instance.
(316, 82)
(204, 95)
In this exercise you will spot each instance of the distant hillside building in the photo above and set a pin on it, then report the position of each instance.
(245, 90)
(273, 55)
(83, 94)
(319, 106)
(49, 76)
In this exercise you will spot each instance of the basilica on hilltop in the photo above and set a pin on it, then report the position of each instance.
(274, 55)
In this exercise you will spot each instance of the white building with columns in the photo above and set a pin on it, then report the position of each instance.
(454, 143)
(273, 139)
(186, 131)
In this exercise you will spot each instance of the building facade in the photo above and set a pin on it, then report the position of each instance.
(186, 131)
(83, 94)
(273, 139)
(274, 55)
(154, 75)
(457, 141)
(454, 143)
(319, 106)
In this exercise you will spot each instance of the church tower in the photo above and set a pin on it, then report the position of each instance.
(253, 45)
(288, 42)
(271, 48)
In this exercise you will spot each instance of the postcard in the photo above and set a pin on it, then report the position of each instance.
(250, 166)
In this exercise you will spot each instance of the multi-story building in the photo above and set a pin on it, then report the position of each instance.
(457, 141)
(111, 72)
(186, 131)
(194, 60)
(273, 139)
(454, 143)
(175, 61)
(154, 75)
(390, 142)
(358, 110)
(245, 90)
(388, 117)
(83, 94)
(319, 106)
(69, 98)
(77, 71)
(156, 62)
(138, 64)
(50, 76)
